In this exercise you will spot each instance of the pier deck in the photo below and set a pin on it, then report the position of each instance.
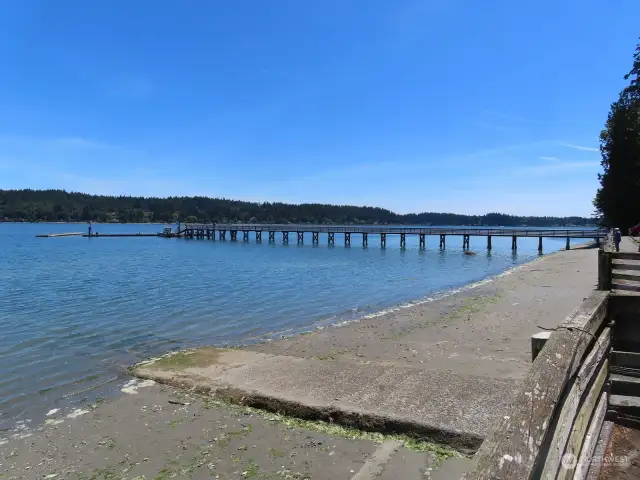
(208, 231)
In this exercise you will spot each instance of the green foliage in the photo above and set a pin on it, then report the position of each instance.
(62, 206)
(617, 199)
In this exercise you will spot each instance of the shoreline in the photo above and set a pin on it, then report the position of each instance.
(455, 294)
(472, 343)
(448, 364)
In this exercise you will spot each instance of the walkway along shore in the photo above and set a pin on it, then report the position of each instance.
(442, 371)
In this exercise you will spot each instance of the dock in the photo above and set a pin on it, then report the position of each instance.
(209, 232)
(101, 235)
(52, 235)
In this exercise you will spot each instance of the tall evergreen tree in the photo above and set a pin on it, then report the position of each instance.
(618, 198)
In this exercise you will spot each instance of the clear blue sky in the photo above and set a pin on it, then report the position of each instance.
(467, 106)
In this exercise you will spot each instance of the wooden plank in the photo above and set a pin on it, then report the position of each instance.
(634, 277)
(629, 287)
(617, 266)
(511, 450)
(571, 404)
(626, 255)
(582, 422)
(625, 359)
(591, 439)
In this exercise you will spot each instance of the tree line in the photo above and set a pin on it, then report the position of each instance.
(62, 206)
(617, 200)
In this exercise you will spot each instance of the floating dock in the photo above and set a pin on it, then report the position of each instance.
(51, 235)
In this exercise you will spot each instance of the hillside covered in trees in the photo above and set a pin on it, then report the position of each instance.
(62, 206)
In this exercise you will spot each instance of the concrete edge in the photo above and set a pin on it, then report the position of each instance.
(461, 441)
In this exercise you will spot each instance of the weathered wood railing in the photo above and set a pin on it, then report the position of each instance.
(619, 272)
(551, 429)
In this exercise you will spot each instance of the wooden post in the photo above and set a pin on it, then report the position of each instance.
(465, 241)
(489, 242)
(604, 270)
(347, 239)
(365, 239)
(539, 244)
(443, 241)
(514, 243)
(568, 244)
(383, 240)
(423, 242)
(537, 342)
(403, 240)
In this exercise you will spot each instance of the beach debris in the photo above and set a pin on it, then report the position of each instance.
(52, 412)
(132, 386)
(177, 402)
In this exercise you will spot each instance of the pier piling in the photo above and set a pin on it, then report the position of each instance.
(300, 237)
(539, 244)
(315, 238)
(514, 243)
(272, 237)
(403, 240)
(234, 235)
(285, 237)
(332, 238)
(488, 242)
(443, 241)
(568, 243)
(223, 234)
(423, 242)
(365, 239)
(245, 236)
(465, 242)
(383, 240)
(258, 235)
(347, 239)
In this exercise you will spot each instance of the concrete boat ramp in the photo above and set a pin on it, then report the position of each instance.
(441, 406)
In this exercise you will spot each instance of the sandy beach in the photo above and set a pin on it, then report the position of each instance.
(473, 345)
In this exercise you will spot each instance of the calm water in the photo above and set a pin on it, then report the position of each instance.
(75, 311)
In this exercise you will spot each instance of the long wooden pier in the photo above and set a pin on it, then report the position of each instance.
(208, 231)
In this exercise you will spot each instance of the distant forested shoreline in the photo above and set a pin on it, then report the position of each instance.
(62, 206)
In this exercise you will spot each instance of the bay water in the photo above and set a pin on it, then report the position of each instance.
(75, 312)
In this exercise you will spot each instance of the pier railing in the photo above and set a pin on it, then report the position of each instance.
(553, 425)
(398, 230)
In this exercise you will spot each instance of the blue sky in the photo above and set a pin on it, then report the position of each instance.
(467, 106)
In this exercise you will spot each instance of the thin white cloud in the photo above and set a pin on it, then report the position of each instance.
(559, 167)
(581, 147)
(549, 159)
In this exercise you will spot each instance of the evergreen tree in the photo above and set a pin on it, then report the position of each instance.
(618, 198)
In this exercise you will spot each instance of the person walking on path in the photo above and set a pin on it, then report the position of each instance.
(617, 238)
